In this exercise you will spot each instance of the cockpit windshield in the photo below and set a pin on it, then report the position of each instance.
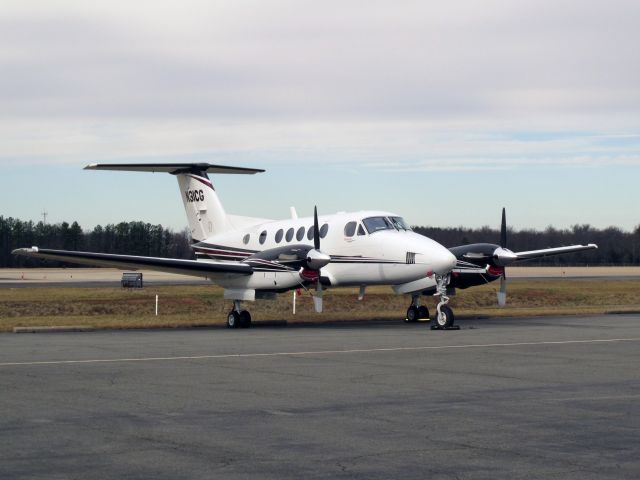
(399, 223)
(375, 224)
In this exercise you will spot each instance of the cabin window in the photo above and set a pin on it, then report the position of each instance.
(300, 234)
(361, 231)
(279, 234)
(246, 238)
(375, 224)
(350, 229)
(289, 235)
(324, 229)
(310, 233)
(263, 237)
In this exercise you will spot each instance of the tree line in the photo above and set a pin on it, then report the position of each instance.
(131, 238)
(616, 247)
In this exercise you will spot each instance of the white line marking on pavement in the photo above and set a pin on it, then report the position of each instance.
(318, 352)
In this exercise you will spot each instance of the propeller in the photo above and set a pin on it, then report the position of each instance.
(503, 256)
(316, 259)
(503, 229)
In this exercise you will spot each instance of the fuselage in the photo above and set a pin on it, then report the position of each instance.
(366, 248)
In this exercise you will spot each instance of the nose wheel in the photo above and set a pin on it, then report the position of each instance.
(444, 314)
(444, 319)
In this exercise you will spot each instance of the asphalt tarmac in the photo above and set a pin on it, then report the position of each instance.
(552, 398)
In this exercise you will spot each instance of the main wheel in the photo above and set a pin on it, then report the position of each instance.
(245, 319)
(445, 318)
(412, 314)
(423, 312)
(233, 319)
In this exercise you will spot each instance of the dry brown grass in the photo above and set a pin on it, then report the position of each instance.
(203, 305)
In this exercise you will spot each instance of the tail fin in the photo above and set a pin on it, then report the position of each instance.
(204, 211)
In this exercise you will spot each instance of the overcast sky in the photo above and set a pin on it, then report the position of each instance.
(440, 111)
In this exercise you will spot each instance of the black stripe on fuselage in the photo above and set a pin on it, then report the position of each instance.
(220, 252)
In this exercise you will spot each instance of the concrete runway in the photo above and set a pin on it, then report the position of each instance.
(86, 277)
(110, 277)
(552, 398)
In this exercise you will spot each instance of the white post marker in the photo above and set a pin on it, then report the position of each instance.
(156, 305)
(294, 301)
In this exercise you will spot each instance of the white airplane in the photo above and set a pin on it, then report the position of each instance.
(254, 258)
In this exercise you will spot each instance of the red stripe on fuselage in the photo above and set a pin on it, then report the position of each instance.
(202, 180)
(226, 253)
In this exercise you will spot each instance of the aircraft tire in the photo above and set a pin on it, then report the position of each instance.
(412, 314)
(233, 319)
(245, 319)
(446, 317)
(423, 312)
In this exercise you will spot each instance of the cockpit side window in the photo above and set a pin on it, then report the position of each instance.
(350, 229)
(399, 223)
(361, 230)
(375, 224)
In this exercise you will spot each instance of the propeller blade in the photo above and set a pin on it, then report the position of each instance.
(316, 229)
(502, 294)
(317, 304)
(316, 260)
(503, 229)
(317, 298)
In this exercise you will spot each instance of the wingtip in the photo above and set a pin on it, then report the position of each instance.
(24, 251)
(91, 166)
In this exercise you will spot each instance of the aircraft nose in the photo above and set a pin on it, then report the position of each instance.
(444, 261)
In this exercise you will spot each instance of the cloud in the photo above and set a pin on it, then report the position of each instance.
(319, 60)
(462, 85)
(400, 146)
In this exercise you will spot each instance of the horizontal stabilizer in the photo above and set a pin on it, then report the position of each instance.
(172, 265)
(173, 168)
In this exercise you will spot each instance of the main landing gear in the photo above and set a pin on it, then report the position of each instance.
(238, 318)
(416, 312)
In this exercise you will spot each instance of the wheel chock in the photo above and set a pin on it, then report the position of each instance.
(438, 327)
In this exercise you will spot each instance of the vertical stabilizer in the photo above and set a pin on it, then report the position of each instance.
(205, 213)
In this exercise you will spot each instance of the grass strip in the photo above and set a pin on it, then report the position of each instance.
(188, 306)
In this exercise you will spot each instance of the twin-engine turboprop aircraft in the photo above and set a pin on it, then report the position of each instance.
(253, 258)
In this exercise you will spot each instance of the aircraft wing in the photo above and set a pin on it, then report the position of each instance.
(200, 268)
(547, 252)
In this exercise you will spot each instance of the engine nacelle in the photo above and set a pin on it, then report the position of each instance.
(292, 256)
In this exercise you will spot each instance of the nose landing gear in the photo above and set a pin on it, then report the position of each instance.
(444, 315)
